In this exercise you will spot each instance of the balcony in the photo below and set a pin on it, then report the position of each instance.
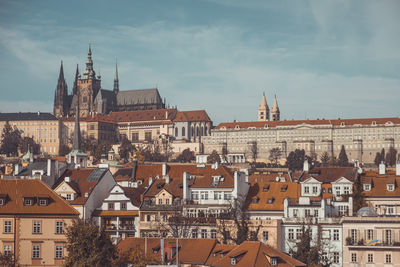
(154, 207)
(373, 244)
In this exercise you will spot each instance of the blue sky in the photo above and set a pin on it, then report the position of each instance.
(323, 59)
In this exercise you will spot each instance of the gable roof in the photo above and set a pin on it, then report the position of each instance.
(143, 115)
(327, 174)
(379, 184)
(16, 189)
(253, 253)
(82, 181)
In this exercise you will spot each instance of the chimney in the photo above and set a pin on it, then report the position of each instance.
(382, 168)
(166, 114)
(306, 166)
(134, 167)
(167, 179)
(17, 169)
(398, 168)
(48, 167)
(164, 169)
(186, 193)
(150, 181)
(215, 165)
(67, 179)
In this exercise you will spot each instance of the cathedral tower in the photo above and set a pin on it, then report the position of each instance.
(275, 113)
(263, 109)
(88, 87)
(116, 81)
(61, 95)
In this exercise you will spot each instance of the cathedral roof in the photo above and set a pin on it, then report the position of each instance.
(27, 116)
(142, 96)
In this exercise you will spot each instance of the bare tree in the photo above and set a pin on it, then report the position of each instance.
(253, 150)
(275, 154)
(176, 224)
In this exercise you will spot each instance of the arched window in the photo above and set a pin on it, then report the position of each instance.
(206, 130)
(176, 131)
(183, 131)
(192, 131)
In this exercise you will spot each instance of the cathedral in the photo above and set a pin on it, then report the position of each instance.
(264, 112)
(91, 98)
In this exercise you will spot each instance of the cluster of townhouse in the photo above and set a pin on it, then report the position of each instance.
(140, 201)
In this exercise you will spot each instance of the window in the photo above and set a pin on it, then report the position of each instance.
(370, 234)
(298, 233)
(217, 195)
(307, 213)
(388, 258)
(69, 197)
(233, 261)
(167, 201)
(165, 217)
(183, 131)
(227, 196)
(390, 187)
(274, 261)
(295, 213)
(147, 136)
(353, 235)
(36, 251)
(195, 195)
(204, 195)
(335, 234)
(315, 189)
(203, 233)
(37, 227)
(176, 131)
(123, 205)
(148, 218)
(7, 250)
(388, 236)
(370, 257)
(353, 257)
(337, 190)
(335, 257)
(159, 201)
(59, 227)
(346, 190)
(7, 227)
(213, 233)
(315, 213)
(291, 234)
(1, 202)
(265, 235)
(110, 206)
(43, 202)
(59, 252)
(306, 190)
(135, 137)
(194, 233)
(28, 202)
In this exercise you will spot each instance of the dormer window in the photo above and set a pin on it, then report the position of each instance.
(255, 200)
(1, 201)
(390, 187)
(237, 127)
(342, 124)
(284, 188)
(367, 187)
(373, 123)
(42, 202)
(270, 200)
(266, 188)
(233, 261)
(274, 261)
(28, 201)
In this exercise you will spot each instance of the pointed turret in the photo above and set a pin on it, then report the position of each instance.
(263, 109)
(60, 96)
(75, 88)
(275, 113)
(116, 81)
(76, 144)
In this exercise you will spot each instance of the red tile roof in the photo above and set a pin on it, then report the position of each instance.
(379, 184)
(192, 115)
(17, 189)
(272, 124)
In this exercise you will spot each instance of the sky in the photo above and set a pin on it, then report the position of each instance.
(322, 59)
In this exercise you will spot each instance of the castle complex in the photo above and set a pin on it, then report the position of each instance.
(91, 98)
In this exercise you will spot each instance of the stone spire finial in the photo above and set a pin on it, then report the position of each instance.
(75, 88)
(275, 113)
(263, 109)
(89, 72)
(116, 80)
(275, 105)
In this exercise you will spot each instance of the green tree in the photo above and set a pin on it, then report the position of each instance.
(275, 154)
(391, 157)
(254, 150)
(89, 145)
(295, 159)
(186, 156)
(101, 149)
(11, 139)
(343, 160)
(324, 158)
(29, 143)
(358, 196)
(378, 158)
(88, 246)
(64, 150)
(213, 157)
(125, 149)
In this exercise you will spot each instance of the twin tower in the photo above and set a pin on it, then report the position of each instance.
(264, 112)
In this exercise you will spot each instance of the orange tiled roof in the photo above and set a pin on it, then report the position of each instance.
(380, 182)
(143, 115)
(79, 182)
(191, 251)
(272, 124)
(17, 189)
(252, 253)
(192, 115)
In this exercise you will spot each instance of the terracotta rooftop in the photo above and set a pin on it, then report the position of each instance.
(251, 253)
(379, 184)
(82, 181)
(15, 190)
(192, 115)
(338, 122)
(327, 174)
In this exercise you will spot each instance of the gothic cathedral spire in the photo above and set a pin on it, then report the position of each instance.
(61, 94)
(75, 88)
(116, 81)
